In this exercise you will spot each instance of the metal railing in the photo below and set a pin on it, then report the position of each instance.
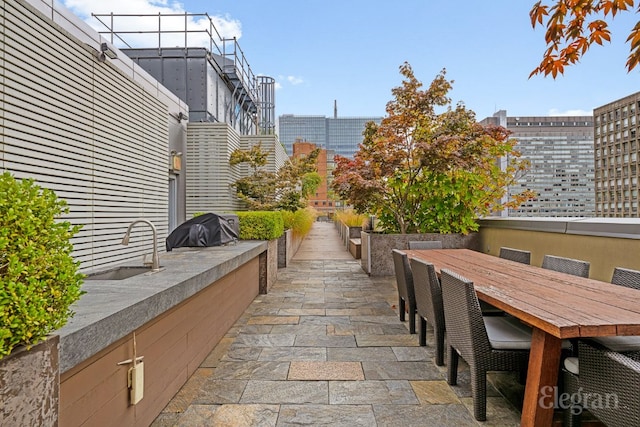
(182, 30)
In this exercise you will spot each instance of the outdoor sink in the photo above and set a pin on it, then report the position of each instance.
(120, 273)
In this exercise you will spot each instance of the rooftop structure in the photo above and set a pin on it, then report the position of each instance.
(187, 54)
(230, 108)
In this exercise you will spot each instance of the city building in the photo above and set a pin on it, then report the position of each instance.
(616, 157)
(560, 149)
(321, 200)
(342, 135)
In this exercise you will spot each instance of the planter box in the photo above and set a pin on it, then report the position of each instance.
(376, 248)
(269, 266)
(354, 248)
(347, 233)
(288, 245)
(30, 385)
(354, 232)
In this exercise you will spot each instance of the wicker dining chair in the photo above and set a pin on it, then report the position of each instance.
(429, 304)
(624, 343)
(626, 277)
(572, 266)
(570, 386)
(404, 282)
(610, 382)
(621, 344)
(425, 244)
(486, 343)
(517, 255)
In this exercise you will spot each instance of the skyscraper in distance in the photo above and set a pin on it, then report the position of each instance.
(342, 135)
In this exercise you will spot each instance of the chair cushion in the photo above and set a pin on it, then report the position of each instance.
(505, 335)
(572, 364)
(566, 344)
(620, 344)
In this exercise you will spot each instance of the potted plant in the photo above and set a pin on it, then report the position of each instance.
(425, 171)
(39, 280)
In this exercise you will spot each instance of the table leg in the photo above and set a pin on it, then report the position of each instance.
(542, 378)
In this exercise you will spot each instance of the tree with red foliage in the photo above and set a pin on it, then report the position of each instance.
(423, 171)
(573, 26)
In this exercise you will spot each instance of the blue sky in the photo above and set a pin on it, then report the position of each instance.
(351, 50)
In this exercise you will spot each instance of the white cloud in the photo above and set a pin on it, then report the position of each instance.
(556, 112)
(295, 80)
(290, 80)
(197, 26)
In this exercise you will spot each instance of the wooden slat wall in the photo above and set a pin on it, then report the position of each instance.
(277, 153)
(210, 176)
(209, 147)
(85, 129)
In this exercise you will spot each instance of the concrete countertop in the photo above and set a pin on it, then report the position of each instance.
(112, 309)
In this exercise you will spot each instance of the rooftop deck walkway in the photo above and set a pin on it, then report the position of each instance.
(325, 347)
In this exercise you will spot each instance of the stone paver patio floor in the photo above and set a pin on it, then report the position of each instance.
(325, 347)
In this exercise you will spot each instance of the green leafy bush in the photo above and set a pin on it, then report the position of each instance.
(260, 225)
(39, 280)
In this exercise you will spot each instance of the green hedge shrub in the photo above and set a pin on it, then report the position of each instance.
(260, 225)
(39, 280)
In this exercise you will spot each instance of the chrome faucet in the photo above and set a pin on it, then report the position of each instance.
(155, 262)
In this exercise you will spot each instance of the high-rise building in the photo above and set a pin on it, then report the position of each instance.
(301, 128)
(343, 135)
(560, 149)
(616, 131)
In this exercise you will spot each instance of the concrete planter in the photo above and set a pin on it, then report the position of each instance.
(30, 386)
(354, 232)
(269, 266)
(376, 248)
(288, 245)
(347, 233)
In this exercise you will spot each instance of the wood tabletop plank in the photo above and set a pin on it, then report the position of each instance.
(558, 303)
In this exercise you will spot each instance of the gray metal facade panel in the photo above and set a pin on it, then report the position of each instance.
(196, 82)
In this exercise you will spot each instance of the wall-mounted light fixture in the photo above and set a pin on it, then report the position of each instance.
(175, 160)
(180, 116)
(106, 51)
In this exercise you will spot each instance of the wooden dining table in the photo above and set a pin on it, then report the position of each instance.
(556, 305)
